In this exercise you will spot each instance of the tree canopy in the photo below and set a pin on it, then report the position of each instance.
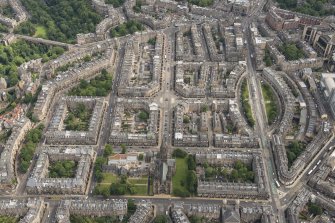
(309, 7)
(62, 19)
(98, 86)
(29, 146)
(62, 169)
(291, 51)
(78, 118)
(126, 28)
(19, 52)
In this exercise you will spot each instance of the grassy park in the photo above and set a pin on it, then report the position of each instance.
(180, 176)
(119, 185)
(270, 102)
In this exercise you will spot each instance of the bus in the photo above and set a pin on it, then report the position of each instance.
(277, 183)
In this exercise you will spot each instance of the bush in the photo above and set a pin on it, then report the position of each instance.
(179, 153)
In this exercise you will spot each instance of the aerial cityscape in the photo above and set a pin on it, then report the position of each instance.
(159, 111)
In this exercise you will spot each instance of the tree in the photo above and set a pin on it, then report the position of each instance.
(186, 119)
(140, 157)
(108, 150)
(314, 209)
(143, 115)
(191, 182)
(204, 108)
(124, 149)
(131, 206)
(179, 153)
(191, 162)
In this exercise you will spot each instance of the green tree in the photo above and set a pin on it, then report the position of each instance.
(108, 150)
(123, 149)
(179, 153)
(191, 162)
(314, 209)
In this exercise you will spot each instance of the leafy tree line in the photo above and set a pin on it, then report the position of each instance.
(126, 28)
(62, 169)
(246, 107)
(99, 86)
(190, 183)
(267, 58)
(309, 7)
(15, 54)
(100, 162)
(33, 137)
(62, 19)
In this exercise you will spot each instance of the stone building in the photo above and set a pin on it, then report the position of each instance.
(30, 210)
(132, 137)
(136, 59)
(40, 183)
(193, 137)
(234, 44)
(111, 207)
(280, 19)
(56, 132)
(8, 154)
(143, 214)
(256, 190)
(70, 77)
(321, 38)
(177, 214)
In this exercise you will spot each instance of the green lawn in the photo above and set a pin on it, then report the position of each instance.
(142, 180)
(109, 178)
(140, 184)
(8, 219)
(180, 175)
(245, 103)
(141, 189)
(40, 32)
(270, 102)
